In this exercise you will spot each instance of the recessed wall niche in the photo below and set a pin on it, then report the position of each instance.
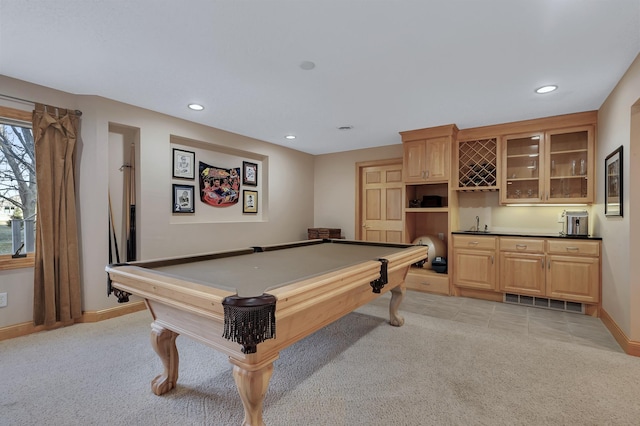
(124, 190)
(222, 157)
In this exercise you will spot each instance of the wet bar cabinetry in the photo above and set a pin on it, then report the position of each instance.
(542, 161)
(477, 164)
(552, 268)
(430, 202)
(475, 265)
(555, 166)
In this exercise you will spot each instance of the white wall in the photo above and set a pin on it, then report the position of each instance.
(621, 249)
(289, 185)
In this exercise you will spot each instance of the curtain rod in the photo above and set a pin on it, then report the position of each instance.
(13, 98)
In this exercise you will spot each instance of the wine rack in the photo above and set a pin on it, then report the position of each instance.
(477, 165)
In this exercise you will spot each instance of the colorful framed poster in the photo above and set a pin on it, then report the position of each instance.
(219, 187)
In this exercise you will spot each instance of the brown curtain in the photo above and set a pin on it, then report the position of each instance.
(57, 299)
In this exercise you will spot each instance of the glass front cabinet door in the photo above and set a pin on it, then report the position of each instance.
(523, 161)
(570, 162)
(553, 167)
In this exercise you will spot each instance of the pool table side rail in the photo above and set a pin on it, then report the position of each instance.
(175, 260)
(150, 284)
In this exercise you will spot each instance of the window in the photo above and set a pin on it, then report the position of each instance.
(18, 192)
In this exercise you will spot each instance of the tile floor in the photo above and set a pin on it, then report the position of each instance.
(521, 320)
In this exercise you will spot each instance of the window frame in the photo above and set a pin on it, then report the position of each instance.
(6, 260)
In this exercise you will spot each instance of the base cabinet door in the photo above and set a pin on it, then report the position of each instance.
(522, 273)
(475, 269)
(573, 278)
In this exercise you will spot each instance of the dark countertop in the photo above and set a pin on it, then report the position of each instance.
(526, 234)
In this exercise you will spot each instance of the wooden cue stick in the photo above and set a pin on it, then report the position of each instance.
(131, 243)
(125, 199)
(113, 230)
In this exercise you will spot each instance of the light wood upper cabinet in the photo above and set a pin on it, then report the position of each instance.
(523, 159)
(556, 166)
(570, 163)
(477, 164)
(427, 160)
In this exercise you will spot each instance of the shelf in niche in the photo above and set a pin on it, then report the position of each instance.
(569, 177)
(427, 209)
(523, 156)
(477, 189)
(523, 179)
(568, 151)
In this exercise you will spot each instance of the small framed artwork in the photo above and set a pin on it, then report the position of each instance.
(613, 183)
(183, 201)
(249, 173)
(183, 164)
(249, 201)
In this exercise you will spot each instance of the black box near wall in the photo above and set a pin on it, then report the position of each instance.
(439, 265)
(431, 201)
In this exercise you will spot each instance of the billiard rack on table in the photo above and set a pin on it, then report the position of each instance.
(243, 325)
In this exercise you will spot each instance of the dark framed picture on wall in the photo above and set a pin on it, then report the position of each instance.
(183, 201)
(249, 173)
(183, 164)
(249, 201)
(613, 183)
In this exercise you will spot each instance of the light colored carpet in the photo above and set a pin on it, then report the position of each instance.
(357, 371)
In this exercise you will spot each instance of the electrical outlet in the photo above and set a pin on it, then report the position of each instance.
(441, 236)
(3, 300)
(560, 217)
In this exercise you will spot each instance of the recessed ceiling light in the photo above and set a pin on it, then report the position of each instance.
(345, 127)
(307, 65)
(546, 89)
(196, 107)
(290, 137)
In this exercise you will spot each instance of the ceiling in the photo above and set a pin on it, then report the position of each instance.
(380, 66)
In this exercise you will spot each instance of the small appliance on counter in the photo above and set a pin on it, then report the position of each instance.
(577, 223)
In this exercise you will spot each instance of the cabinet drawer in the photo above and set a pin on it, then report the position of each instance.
(574, 247)
(523, 245)
(474, 242)
(419, 279)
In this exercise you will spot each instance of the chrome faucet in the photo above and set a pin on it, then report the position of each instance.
(478, 223)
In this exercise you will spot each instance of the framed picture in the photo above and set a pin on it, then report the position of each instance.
(183, 201)
(249, 201)
(249, 173)
(183, 164)
(613, 183)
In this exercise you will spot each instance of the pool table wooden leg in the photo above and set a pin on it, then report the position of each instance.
(397, 294)
(252, 382)
(164, 343)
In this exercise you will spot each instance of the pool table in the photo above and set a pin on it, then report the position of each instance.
(235, 301)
